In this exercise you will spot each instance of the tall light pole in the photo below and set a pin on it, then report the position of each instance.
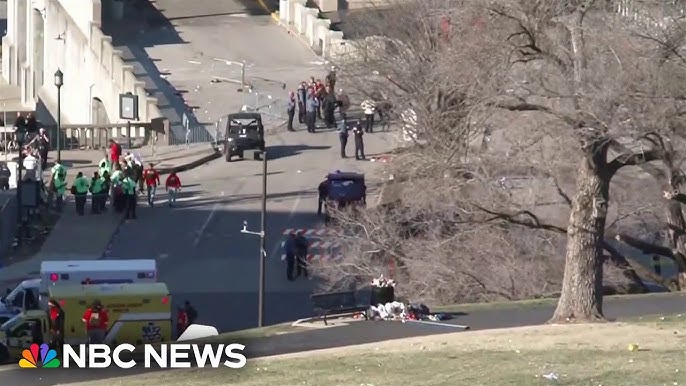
(59, 81)
(263, 242)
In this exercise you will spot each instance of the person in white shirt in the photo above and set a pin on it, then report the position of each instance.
(135, 162)
(369, 108)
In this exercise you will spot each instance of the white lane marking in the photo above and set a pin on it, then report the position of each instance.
(183, 199)
(204, 225)
(294, 208)
(290, 216)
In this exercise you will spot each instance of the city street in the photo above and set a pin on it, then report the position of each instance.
(202, 255)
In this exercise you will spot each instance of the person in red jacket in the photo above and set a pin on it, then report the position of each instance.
(96, 319)
(181, 321)
(172, 185)
(56, 325)
(152, 179)
(115, 152)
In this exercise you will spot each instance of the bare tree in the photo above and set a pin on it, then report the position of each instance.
(577, 78)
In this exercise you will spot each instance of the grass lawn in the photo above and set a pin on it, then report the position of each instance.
(576, 354)
(537, 303)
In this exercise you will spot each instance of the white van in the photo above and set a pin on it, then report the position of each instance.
(30, 293)
(96, 272)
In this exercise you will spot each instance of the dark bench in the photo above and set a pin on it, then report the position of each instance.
(341, 303)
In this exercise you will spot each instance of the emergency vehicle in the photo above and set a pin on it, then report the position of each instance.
(138, 313)
(96, 272)
(54, 273)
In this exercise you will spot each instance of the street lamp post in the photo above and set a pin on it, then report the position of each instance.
(59, 81)
(263, 242)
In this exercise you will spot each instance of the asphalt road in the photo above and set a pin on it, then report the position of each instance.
(202, 255)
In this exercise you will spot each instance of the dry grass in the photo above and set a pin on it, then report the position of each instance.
(577, 354)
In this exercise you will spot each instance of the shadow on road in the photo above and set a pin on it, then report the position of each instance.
(283, 151)
(146, 26)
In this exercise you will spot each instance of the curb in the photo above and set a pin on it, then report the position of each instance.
(190, 165)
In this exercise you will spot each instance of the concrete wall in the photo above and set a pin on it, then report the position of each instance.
(316, 32)
(75, 44)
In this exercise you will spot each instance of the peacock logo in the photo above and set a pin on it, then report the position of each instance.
(30, 358)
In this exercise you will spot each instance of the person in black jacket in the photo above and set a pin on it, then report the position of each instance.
(359, 142)
(191, 313)
(323, 193)
(301, 95)
(301, 246)
(329, 105)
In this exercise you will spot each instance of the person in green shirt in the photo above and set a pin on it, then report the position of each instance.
(80, 191)
(104, 166)
(58, 170)
(118, 197)
(60, 189)
(105, 193)
(96, 193)
(129, 187)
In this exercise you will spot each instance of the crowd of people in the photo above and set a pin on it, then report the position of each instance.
(318, 100)
(119, 180)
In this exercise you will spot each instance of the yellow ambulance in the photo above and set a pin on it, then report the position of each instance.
(138, 314)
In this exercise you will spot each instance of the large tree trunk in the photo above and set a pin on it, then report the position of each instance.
(582, 296)
(677, 235)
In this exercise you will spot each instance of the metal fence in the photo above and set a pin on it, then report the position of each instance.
(272, 108)
(191, 131)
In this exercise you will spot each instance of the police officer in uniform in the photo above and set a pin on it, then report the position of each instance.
(80, 192)
(359, 141)
(343, 136)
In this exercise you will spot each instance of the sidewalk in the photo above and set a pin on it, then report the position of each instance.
(88, 237)
(165, 158)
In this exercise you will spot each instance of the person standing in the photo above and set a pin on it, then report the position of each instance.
(311, 106)
(369, 108)
(343, 103)
(56, 325)
(129, 189)
(329, 105)
(343, 136)
(96, 319)
(115, 151)
(290, 109)
(105, 166)
(302, 99)
(323, 194)
(152, 180)
(96, 193)
(172, 185)
(319, 91)
(59, 182)
(190, 312)
(118, 197)
(289, 251)
(105, 193)
(330, 78)
(359, 142)
(41, 142)
(301, 246)
(181, 321)
(80, 191)
(31, 124)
